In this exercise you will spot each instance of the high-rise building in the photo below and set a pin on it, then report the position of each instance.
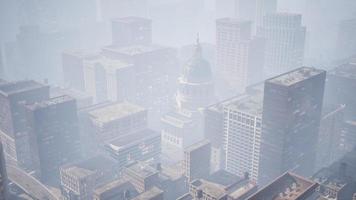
(242, 128)
(197, 160)
(3, 176)
(285, 41)
(13, 118)
(108, 79)
(239, 56)
(291, 116)
(73, 68)
(52, 126)
(111, 9)
(330, 140)
(129, 31)
(263, 8)
(346, 39)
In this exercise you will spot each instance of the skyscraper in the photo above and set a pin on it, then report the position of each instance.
(242, 128)
(13, 118)
(346, 40)
(54, 135)
(237, 55)
(285, 41)
(263, 8)
(128, 31)
(291, 117)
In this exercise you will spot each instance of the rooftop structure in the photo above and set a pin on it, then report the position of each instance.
(214, 190)
(132, 50)
(286, 187)
(152, 194)
(252, 104)
(49, 102)
(296, 76)
(115, 189)
(115, 112)
(141, 169)
(108, 63)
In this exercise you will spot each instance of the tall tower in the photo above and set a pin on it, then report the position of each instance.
(291, 117)
(285, 40)
(196, 87)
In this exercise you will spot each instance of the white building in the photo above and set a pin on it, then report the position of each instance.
(242, 127)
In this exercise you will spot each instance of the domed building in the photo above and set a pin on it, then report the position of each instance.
(183, 127)
(196, 87)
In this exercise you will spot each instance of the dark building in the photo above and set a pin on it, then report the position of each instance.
(197, 160)
(288, 187)
(340, 87)
(338, 180)
(13, 118)
(291, 116)
(3, 176)
(128, 31)
(54, 135)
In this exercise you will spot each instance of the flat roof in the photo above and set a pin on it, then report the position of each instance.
(234, 21)
(77, 94)
(49, 102)
(107, 63)
(177, 119)
(286, 187)
(250, 104)
(295, 76)
(114, 185)
(213, 189)
(19, 86)
(115, 111)
(133, 50)
(197, 145)
(142, 169)
(131, 139)
(131, 19)
(149, 194)
(345, 70)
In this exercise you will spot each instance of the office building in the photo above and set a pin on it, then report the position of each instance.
(242, 128)
(108, 79)
(341, 82)
(119, 119)
(239, 56)
(288, 186)
(331, 132)
(197, 160)
(263, 8)
(3, 175)
(346, 40)
(120, 189)
(73, 68)
(83, 99)
(291, 117)
(129, 31)
(285, 41)
(12, 118)
(79, 179)
(144, 145)
(53, 134)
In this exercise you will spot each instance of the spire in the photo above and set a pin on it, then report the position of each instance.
(198, 50)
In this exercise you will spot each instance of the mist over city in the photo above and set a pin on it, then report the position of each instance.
(177, 99)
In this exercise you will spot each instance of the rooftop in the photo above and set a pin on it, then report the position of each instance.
(114, 186)
(116, 111)
(197, 145)
(141, 169)
(234, 21)
(242, 191)
(131, 19)
(224, 178)
(133, 50)
(286, 187)
(20, 86)
(250, 104)
(295, 76)
(50, 102)
(345, 70)
(80, 53)
(77, 94)
(213, 189)
(123, 142)
(149, 194)
(177, 119)
(109, 64)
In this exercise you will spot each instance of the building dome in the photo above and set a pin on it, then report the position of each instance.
(197, 69)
